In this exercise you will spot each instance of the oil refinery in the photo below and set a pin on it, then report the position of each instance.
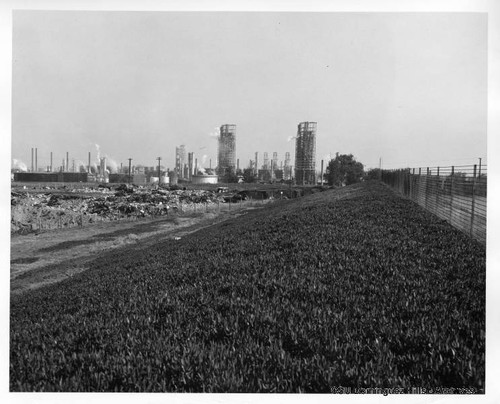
(265, 167)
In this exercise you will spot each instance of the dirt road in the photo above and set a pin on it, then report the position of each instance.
(41, 259)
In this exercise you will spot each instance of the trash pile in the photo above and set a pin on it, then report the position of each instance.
(49, 210)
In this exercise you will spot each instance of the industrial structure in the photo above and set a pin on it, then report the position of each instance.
(305, 153)
(264, 168)
(204, 179)
(227, 149)
(180, 160)
(287, 169)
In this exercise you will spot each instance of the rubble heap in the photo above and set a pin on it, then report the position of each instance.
(49, 210)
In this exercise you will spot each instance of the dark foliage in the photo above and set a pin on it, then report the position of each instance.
(248, 175)
(344, 170)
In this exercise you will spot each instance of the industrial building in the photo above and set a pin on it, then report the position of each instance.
(180, 160)
(305, 153)
(227, 149)
(51, 177)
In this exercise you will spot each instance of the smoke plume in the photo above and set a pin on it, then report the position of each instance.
(111, 165)
(19, 165)
(215, 134)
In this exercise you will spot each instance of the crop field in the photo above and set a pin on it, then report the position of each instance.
(355, 287)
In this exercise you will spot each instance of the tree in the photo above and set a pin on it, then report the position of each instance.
(344, 170)
(248, 175)
(373, 174)
(229, 176)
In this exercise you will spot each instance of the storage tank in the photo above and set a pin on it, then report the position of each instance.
(204, 179)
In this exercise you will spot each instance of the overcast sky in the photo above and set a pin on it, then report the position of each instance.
(410, 88)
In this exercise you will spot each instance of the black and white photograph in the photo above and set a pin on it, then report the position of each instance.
(286, 199)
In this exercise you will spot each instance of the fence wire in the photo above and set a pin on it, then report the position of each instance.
(456, 194)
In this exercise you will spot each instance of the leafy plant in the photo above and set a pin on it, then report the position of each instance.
(350, 287)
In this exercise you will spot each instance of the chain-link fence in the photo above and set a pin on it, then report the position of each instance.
(456, 194)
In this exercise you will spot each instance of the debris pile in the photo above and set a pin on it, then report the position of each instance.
(49, 210)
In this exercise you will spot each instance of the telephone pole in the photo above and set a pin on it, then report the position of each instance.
(129, 167)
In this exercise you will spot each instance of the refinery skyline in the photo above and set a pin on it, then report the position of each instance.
(269, 167)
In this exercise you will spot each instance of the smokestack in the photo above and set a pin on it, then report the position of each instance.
(62, 167)
(32, 159)
(190, 165)
(89, 164)
(36, 159)
(50, 161)
(195, 166)
(103, 166)
(237, 164)
(67, 161)
(256, 162)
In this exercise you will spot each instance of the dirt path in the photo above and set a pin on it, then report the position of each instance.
(41, 259)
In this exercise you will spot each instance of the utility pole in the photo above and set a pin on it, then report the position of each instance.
(159, 160)
(321, 178)
(129, 167)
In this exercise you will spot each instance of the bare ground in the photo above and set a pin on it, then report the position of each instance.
(45, 258)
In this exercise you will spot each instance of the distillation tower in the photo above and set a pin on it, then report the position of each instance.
(305, 153)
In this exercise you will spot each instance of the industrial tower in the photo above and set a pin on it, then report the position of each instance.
(227, 149)
(305, 153)
(180, 160)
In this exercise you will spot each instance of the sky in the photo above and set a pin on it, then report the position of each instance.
(404, 89)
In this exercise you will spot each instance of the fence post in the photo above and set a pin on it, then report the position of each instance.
(451, 193)
(427, 189)
(473, 202)
(407, 179)
(410, 185)
(438, 191)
